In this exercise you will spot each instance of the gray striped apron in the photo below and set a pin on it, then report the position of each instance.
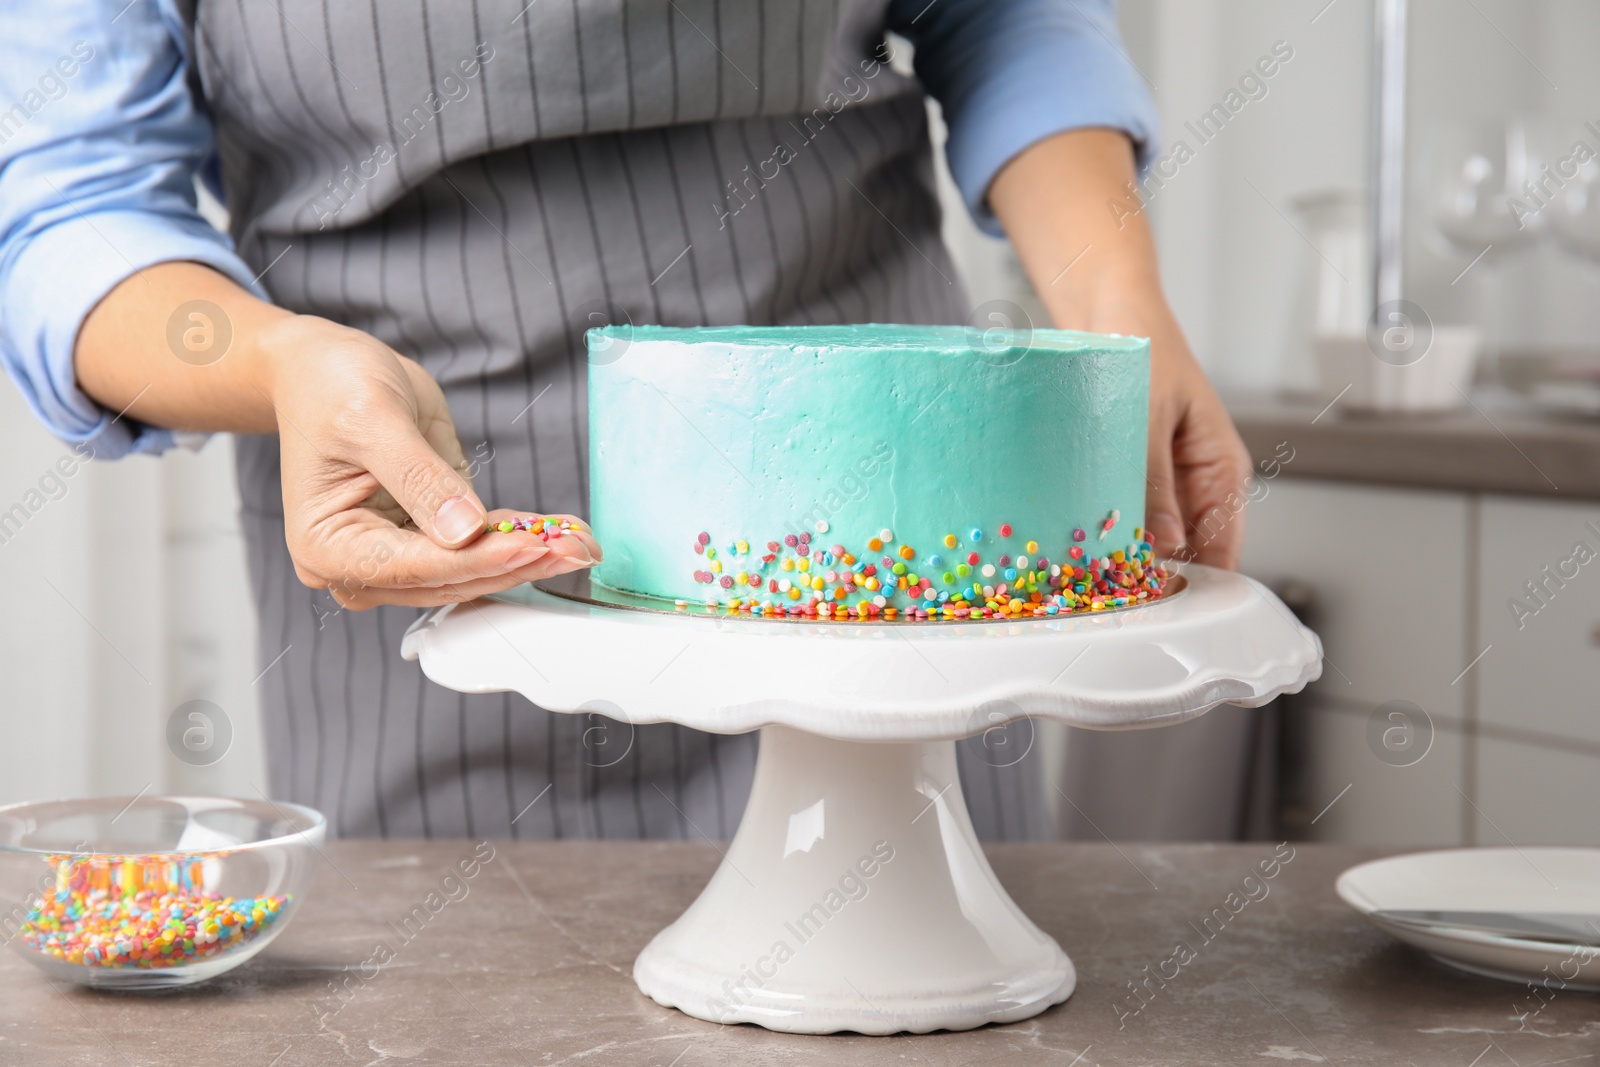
(471, 182)
(474, 182)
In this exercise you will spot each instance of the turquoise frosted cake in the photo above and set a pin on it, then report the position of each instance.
(896, 471)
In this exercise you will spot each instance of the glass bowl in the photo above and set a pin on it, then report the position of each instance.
(151, 892)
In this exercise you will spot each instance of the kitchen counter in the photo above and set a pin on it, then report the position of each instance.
(528, 963)
(1473, 450)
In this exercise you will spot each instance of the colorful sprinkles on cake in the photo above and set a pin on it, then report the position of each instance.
(893, 581)
(141, 912)
(1111, 520)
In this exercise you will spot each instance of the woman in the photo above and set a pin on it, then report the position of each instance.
(430, 202)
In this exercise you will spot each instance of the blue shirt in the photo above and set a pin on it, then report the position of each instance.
(101, 138)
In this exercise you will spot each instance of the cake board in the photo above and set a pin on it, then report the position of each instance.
(855, 895)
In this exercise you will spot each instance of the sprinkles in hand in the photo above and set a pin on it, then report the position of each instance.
(535, 524)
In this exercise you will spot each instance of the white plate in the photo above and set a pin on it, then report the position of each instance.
(1486, 879)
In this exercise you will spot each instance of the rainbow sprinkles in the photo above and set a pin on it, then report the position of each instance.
(891, 581)
(535, 524)
(141, 912)
(894, 582)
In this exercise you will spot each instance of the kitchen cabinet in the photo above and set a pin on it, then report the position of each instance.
(1358, 549)
(1389, 633)
(1535, 794)
(1414, 594)
(1539, 616)
(1361, 798)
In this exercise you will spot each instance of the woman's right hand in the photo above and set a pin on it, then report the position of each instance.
(378, 500)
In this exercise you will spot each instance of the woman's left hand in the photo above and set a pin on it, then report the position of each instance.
(1085, 243)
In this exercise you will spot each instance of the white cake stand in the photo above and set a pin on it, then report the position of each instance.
(854, 895)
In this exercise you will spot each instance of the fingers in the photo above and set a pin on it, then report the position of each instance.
(433, 491)
(388, 418)
(370, 553)
(526, 559)
(1213, 471)
(433, 418)
(375, 562)
(360, 599)
(1162, 514)
(1212, 477)
(1197, 467)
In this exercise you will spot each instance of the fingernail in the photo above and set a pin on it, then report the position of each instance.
(567, 564)
(526, 556)
(457, 519)
(1168, 532)
(577, 551)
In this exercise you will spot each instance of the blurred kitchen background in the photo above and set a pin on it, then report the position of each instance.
(1406, 536)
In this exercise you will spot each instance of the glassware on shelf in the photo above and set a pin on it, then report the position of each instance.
(1333, 296)
(1477, 173)
(1575, 214)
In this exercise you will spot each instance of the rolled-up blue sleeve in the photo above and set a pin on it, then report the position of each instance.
(98, 153)
(1009, 73)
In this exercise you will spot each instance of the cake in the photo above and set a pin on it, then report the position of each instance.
(867, 471)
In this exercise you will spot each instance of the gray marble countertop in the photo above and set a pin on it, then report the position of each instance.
(1475, 449)
(531, 966)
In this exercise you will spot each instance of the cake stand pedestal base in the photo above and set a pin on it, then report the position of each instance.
(855, 897)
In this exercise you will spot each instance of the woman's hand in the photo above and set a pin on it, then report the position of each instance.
(1065, 204)
(378, 504)
(1197, 468)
